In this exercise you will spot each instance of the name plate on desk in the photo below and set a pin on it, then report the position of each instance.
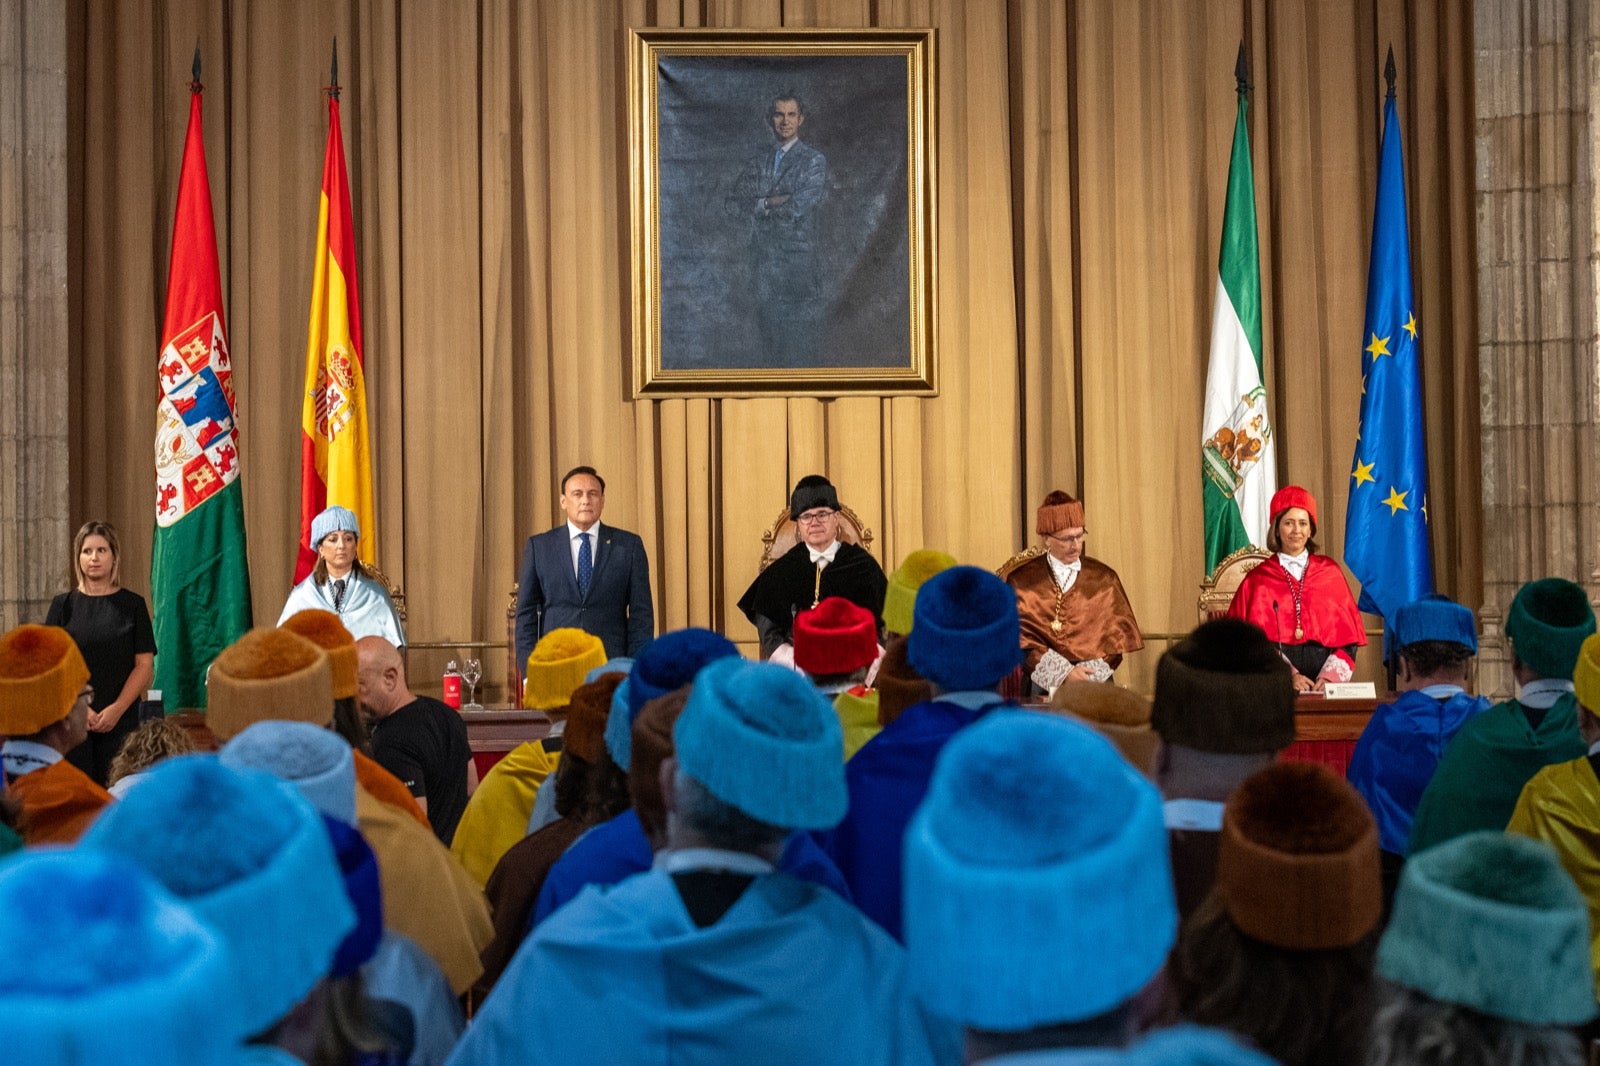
(1350, 690)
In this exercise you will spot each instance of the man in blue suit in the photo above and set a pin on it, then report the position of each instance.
(779, 191)
(585, 575)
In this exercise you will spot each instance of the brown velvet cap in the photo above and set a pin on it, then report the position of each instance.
(899, 686)
(1297, 862)
(324, 629)
(268, 675)
(1058, 511)
(587, 714)
(652, 746)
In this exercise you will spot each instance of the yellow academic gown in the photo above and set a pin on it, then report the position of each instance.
(1561, 806)
(497, 815)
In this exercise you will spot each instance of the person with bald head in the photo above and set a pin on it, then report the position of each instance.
(416, 738)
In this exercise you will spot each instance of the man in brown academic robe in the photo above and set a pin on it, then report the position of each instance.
(44, 712)
(1076, 620)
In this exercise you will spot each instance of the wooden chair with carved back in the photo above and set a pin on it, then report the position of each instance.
(783, 534)
(1218, 587)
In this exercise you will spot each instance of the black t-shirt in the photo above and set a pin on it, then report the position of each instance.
(109, 631)
(424, 744)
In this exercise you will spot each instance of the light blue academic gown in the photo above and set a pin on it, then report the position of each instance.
(790, 974)
(365, 609)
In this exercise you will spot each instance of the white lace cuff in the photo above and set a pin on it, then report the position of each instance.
(1335, 669)
(1098, 669)
(1052, 670)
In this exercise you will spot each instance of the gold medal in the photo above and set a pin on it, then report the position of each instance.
(1056, 626)
(1299, 634)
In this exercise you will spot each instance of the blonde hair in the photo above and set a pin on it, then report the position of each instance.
(153, 741)
(106, 531)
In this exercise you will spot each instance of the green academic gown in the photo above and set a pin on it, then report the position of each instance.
(1485, 768)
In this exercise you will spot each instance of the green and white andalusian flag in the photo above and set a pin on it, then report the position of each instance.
(1236, 456)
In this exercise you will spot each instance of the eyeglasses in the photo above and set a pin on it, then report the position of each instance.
(815, 518)
(1073, 538)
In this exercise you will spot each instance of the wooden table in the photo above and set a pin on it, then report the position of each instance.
(1326, 731)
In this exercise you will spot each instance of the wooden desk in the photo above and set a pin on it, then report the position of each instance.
(1326, 731)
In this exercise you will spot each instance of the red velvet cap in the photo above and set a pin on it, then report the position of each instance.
(1294, 496)
(835, 637)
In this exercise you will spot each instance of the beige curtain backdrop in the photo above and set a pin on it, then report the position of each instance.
(1082, 162)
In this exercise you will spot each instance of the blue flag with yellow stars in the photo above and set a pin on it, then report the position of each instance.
(1386, 528)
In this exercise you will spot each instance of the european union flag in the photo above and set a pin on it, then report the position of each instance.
(1386, 529)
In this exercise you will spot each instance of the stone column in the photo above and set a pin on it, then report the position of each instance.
(33, 307)
(1538, 101)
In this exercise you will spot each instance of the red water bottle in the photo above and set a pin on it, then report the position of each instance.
(452, 685)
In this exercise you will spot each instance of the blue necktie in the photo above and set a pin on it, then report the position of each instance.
(585, 564)
(777, 161)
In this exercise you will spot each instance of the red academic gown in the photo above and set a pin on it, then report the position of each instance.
(1327, 613)
(58, 803)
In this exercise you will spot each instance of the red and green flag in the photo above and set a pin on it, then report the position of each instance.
(199, 573)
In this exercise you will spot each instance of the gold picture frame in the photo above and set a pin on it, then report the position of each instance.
(762, 270)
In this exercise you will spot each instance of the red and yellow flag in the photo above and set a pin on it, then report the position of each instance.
(335, 453)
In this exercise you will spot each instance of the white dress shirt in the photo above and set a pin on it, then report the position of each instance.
(1066, 574)
(573, 533)
(1295, 564)
(825, 556)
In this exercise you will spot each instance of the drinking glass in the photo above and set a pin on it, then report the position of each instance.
(472, 673)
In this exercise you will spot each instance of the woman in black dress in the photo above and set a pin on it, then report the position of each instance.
(111, 627)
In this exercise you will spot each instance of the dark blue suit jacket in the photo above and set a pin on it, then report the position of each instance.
(618, 608)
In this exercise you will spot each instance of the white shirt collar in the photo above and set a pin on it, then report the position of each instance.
(1296, 563)
(1441, 692)
(1594, 749)
(972, 699)
(684, 860)
(827, 553)
(25, 756)
(1542, 694)
(1205, 815)
(786, 145)
(1066, 573)
(594, 531)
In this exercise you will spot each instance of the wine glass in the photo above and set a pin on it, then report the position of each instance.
(472, 673)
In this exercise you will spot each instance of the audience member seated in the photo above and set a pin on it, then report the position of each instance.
(417, 739)
(898, 684)
(1039, 908)
(1435, 641)
(1561, 805)
(544, 801)
(1076, 621)
(1224, 708)
(626, 845)
(147, 745)
(1299, 597)
(1118, 714)
(965, 642)
(590, 788)
(143, 982)
(763, 968)
(900, 595)
(44, 713)
(1485, 961)
(1496, 753)
(274, 675)
(324, 629)
(397, 979)
(252, 860)
(835, 644)
(498, 813)
(818, 566)
(1281, 951)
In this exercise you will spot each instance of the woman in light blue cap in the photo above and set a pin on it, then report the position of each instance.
(339, 583)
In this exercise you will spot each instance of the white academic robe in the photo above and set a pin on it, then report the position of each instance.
(365, 611)
(790, 974)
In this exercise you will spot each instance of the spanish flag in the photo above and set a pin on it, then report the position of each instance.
(335, 453)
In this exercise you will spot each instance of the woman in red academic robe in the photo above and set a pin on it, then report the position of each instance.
(1299, 597)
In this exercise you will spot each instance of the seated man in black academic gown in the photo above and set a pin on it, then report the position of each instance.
(819, 566)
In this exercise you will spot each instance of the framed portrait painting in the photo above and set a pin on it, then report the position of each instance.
(783, 193)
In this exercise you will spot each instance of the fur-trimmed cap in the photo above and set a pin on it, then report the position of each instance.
(1547, 622)
(318, 762)
(1120, 715)
(652, 746)
(268, 675)
(967, 635)
(1294, 496)
(813, 490)
(557, 666)
(669, 662)
(900, 598)
(835, 637)
(1037, 882)
(251, 857)
(1297, 861)
(1058, 511)
(1490, 921)
(41, 674)
(1225, 689)
(333, 520)
(1586, 675)
(104, 965)
(324, 629)
(762, 739)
